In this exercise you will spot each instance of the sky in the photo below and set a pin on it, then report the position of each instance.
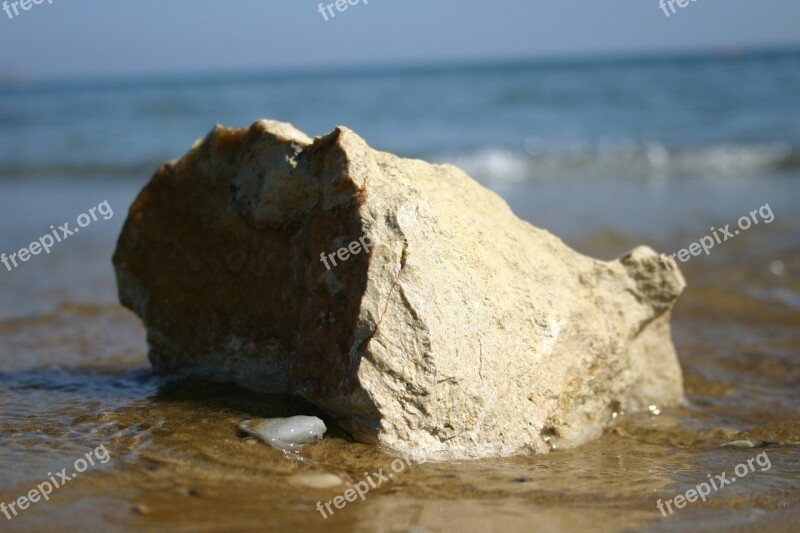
(113, 38)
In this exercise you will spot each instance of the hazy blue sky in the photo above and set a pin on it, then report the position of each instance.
(112, 37)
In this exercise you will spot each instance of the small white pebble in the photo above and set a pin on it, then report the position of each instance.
(740, 444)
(316, 481)
(287, 434)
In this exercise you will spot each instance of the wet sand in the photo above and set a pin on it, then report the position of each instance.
(74, 375)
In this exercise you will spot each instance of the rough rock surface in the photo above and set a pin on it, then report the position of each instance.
(465, 332)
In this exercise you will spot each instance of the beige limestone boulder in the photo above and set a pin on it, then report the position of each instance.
(463, 331)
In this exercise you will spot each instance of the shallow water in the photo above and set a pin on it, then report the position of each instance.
(75, 376)
(606, 156)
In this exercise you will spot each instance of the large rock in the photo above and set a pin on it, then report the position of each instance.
(464, 332)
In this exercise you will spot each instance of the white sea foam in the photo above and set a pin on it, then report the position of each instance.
(536, 161)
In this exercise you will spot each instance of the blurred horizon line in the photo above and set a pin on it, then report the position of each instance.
(640, 58)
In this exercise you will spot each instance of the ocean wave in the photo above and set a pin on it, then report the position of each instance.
(532, 163)
(537, 162)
